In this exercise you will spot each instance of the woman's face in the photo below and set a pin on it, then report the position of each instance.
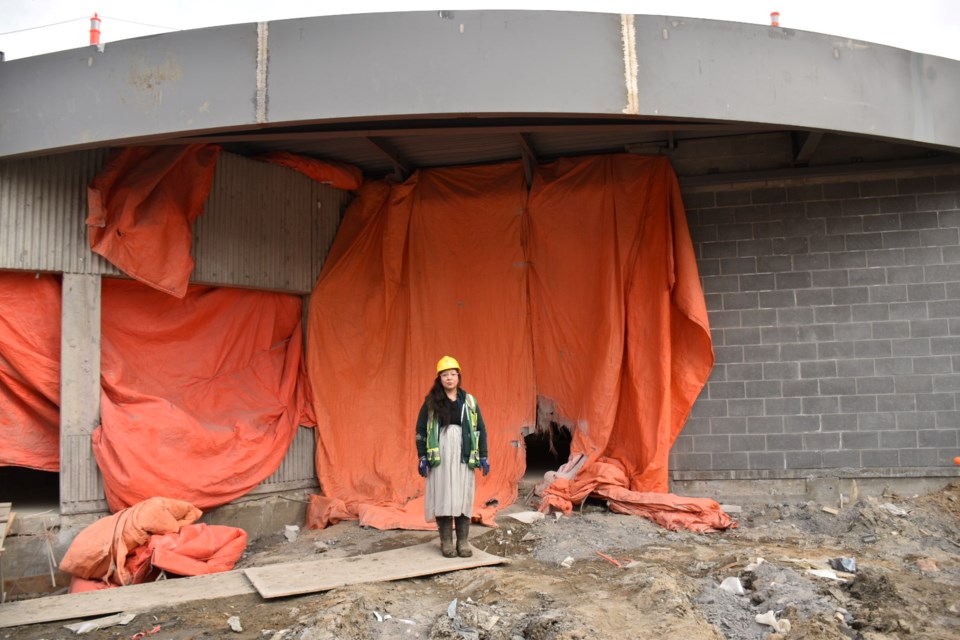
(449, 378)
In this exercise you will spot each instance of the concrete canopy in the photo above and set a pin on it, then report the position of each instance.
(397, 91)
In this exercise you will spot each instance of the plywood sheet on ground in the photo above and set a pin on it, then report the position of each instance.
(294, 578)
(137, 597)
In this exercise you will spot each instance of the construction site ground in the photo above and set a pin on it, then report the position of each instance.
(595, 574)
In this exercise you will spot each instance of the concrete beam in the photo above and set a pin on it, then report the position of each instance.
(387, 67)
(81, 486)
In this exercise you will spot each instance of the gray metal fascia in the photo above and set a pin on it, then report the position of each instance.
(171, 83)
(480, 63)
(750, 73)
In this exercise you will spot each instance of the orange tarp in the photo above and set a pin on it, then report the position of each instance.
(621, 337)
(99, 552)
(334, 174)
(201, 396)
(132, 545)
(142, 207)
(589, 280)
(606, 478)
(30, 371)
(429, 267)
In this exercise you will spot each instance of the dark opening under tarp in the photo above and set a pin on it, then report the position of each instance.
(201, 395)
(30, 371)
(582, 295)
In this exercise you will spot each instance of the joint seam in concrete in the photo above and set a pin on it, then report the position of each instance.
(628, 36)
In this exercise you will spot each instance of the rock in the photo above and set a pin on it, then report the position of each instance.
(234, 623)
(927, 565)
(732, 586)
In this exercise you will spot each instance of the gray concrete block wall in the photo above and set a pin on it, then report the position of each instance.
(835, 314)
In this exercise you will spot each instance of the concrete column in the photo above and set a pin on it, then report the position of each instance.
(81, 486)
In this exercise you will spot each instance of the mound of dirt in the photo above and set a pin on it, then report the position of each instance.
(596, 574)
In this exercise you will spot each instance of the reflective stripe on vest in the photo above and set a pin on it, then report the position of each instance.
(433, 434)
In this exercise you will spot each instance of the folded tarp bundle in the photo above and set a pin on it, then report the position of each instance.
(606, 479)
(30, 370)
(132, 545)
(581, 296)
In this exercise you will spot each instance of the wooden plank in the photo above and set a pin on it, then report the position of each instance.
(5, 526)
(276, 580)
(294, 578)
(137, 597)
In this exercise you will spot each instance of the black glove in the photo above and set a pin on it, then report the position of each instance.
(422, 467)
(485, 466)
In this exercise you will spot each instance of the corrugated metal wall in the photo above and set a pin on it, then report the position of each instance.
(259, 226)
(297, 471)
(264, 227)
(43, 205)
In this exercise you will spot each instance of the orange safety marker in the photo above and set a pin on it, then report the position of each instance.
(95, 29)
(613, 561)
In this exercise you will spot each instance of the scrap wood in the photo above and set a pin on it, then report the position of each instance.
(100, 623)
(818, 568)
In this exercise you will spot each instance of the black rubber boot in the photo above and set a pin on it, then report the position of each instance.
(445, 524)
(463, 533)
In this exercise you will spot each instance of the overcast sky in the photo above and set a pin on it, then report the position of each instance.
(927, 26)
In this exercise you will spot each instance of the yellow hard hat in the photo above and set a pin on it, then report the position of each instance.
(446, 362)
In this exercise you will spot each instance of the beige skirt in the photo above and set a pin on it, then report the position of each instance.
(451, 484)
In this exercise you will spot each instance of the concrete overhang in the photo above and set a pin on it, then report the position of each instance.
(311, 85)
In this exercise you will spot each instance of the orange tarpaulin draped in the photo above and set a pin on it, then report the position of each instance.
(197, 549)
(99, 552)
(201, 396)
(618, 331)
(606, 478)
(142, 207)
(430, 267)
(621, 336)
(30, 371)
(335, 174)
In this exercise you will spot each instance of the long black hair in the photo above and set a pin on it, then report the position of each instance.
(438, 403)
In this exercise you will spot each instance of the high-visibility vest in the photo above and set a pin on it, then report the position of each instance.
(433, 434)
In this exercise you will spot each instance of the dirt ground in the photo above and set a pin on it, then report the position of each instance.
(557, 586)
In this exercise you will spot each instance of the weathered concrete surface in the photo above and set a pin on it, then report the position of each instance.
(825, 487)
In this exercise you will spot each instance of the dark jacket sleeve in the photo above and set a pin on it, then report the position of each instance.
(422, 431)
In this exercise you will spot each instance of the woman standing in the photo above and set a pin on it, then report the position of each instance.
(451, 443)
